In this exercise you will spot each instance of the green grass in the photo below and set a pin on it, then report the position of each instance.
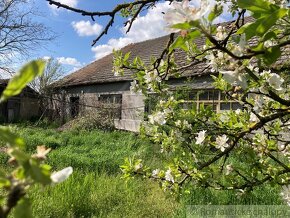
(96, 188)
(102, 195)
(95, 151)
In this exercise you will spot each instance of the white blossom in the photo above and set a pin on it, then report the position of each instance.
(61, 175)
(216, 61)
(135, 87)
(42, 151)
(182, 12)
(269, 43)
(286, 193)
(253, 68)
(151, 76)
(253, 118)
(178, 123)
(229, 169)
(168, 176)
(155, 173)
(186, 124)
(224, 117)
(200, 137)
(235, 78)
(259, 102)
(221, 33)
(138, 166)
(238, 111)
(159, 118)
(212, 62)
(275, 81)
(243, 41)
(221, 142)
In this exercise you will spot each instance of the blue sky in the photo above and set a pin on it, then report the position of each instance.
(75, 32)
(72, 48)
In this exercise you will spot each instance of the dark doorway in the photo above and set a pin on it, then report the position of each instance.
(3, 112)
(74, 106)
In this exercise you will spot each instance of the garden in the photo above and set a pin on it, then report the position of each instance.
(97, 187)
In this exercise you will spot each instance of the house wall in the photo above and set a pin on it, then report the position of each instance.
(132, 112)
(29, 107)
(132, 107)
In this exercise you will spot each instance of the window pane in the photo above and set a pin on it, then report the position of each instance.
(118, 99)
(192, 96)
(213, 95)
(236, 106)
(225, 106)
(203, 95)
(111, 99)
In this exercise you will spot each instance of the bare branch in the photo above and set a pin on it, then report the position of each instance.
(112, 14)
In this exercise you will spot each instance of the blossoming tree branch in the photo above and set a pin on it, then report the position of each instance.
(226, 150)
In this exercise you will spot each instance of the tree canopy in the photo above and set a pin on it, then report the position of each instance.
(21, 33)
(248, 59)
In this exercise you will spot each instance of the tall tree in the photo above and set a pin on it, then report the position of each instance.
(20, 32)
(53, 71)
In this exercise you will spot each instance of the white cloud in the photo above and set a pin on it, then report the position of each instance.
(85, 28)
(4, 74)
(152, 25)
(71, 3)
(69, 61)
(144, 27)
(46, 58)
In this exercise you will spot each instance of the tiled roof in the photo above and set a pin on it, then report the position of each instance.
(100, 71)
(26, 90)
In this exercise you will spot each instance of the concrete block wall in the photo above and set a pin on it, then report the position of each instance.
(132, 112)
(132, 108)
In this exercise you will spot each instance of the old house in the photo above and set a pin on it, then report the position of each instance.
(95, 83)
(22, 107)
(86, 88)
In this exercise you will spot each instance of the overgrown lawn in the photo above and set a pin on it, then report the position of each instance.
(96, 188)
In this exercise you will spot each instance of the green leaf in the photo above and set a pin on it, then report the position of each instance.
(261, 25)
(4, 182)
(258, 6)
(12, 139)
(20, 156)
(271, 55)
(23, 209)
(259, 47)
(217, 11)
(126, 56)
(40, 173)
(193, 35)
(182, 26)
(270, 35)
(22, 78)
(178, 43)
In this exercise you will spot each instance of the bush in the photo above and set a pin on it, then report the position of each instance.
(95, 119)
